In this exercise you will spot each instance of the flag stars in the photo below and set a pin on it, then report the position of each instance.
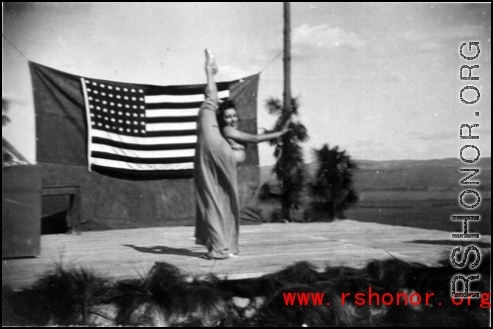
(118, 109)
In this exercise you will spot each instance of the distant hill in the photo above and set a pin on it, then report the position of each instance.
(410, 175)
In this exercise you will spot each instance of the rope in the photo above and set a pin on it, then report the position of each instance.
(20, 52)
(271, 61)
(56, 36)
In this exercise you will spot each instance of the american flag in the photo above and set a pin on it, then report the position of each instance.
(143, 128)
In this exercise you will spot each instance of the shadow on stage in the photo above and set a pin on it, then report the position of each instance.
(163, 250)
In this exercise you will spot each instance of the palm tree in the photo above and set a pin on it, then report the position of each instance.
(289, 168)
(332, 190)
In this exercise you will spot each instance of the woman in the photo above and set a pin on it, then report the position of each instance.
(228, 123)
(217, 209)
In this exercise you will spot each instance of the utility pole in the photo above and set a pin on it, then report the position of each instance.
(287, 58)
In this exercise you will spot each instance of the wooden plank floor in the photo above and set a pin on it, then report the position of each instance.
(264, 249)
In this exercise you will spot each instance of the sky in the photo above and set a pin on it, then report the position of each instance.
(380, 81)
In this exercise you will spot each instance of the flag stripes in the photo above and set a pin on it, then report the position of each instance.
(143, 128)
(170, 119)
(139, 160)
(145, 154)
(143, 147)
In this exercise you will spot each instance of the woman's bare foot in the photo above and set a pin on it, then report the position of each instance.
(210, 61)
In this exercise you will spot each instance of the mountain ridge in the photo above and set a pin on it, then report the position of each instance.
(401, 175)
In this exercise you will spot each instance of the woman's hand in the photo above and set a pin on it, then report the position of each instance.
(285, 128)
(282, 132)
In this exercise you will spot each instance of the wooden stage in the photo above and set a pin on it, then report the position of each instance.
(264, 249)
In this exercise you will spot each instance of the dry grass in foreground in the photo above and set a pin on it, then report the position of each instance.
(168, 297)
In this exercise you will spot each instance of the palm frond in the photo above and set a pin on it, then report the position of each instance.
(274, 106)
(295, 105)
(332, 188)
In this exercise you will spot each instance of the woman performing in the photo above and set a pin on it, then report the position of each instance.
(216, 189)
(228, 123)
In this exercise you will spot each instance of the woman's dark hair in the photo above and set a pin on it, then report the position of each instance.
(226, 105)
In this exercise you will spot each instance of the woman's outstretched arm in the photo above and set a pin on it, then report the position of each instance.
(242, 137)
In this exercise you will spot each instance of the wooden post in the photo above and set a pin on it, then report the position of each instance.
(287, 58)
